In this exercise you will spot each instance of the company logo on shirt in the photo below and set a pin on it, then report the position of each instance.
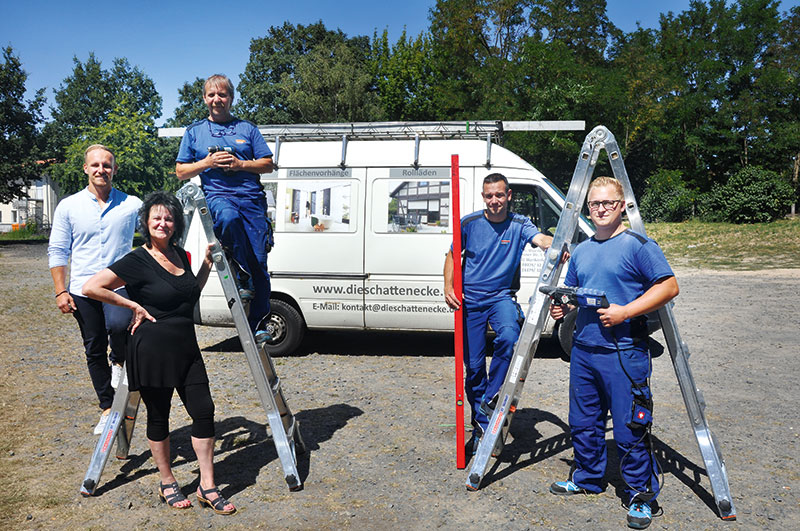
(505, 242)
(241, 141)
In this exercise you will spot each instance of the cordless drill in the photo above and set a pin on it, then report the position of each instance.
(583, 297)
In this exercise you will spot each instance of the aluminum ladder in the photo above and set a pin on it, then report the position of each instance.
(491, 443)
(284, 427)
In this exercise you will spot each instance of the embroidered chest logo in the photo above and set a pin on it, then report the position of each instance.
(505, 242)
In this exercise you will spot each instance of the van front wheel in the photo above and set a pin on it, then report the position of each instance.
(286, 326)
(565, 329)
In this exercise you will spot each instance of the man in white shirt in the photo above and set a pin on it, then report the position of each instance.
(91, 230)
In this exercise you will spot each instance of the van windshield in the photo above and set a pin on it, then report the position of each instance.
(555, 189)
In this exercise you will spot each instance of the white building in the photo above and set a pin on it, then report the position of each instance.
(37, 207)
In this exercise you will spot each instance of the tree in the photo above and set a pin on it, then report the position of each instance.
(143, 160)
(88, 96)
(274, 56)
(404, 77)
(475, 46)
(19, 139)
(330, 84)
(191, 107)
(783, 145)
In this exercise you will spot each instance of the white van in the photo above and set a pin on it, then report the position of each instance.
(362, 228)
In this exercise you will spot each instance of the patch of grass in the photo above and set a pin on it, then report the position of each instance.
(19, 235)
(726, 246)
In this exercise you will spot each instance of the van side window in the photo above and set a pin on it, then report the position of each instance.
(311, 205)
(412, 207)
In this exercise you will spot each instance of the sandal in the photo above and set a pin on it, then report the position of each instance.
(218, 505)
(174, 498)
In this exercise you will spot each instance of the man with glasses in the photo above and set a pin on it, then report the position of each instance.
(229, 155)
(492, 241)
(610, 363)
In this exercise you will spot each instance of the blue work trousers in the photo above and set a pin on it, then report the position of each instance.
(598, 384)
(504, 316)
(241, 226)
(101, 324)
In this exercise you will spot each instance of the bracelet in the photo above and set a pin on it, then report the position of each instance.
(60, 293)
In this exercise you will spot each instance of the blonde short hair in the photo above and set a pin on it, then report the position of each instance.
(608, 181)
(95, 147)
(218, 80)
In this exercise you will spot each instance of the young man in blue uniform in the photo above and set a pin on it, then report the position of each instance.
(492, 241)
(91, 230)
(610, 362)
(230, 172)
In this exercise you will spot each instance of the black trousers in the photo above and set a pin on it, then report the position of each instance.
(197, 401)
(100, 325)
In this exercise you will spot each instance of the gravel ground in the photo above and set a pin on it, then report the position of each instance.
(376, 415)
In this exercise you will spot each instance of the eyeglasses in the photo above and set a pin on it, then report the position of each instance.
(229, 130)
(608, 204)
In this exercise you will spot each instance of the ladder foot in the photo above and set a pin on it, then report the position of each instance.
(294, 484)
(474, 482)
(88, 488)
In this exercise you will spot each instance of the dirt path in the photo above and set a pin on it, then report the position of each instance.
(375, 412)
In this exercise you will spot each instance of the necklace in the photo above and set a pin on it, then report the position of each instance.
(169, 262)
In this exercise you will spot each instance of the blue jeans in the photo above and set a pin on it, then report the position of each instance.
(503, 316)
(598, 384)
(241, 226)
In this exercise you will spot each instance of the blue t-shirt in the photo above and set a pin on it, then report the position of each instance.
(247, 144)
(492, 252)
(624, 267)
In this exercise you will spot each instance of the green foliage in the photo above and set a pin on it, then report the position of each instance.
(666, 198)
(143, 160)
(330, 85)
(30, 231)
(276, 55)
(404, 77)
(751, 195)
(191, 107)
(86, 98)
(19, 138)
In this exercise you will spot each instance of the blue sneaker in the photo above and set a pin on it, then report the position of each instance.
(261, 337)
(566, 488)
(640, 515)
(246, 295)
(474, 441)
(487, 408)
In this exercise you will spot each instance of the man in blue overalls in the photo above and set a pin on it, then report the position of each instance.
(610, 363)
(492, 241)
(229, 155)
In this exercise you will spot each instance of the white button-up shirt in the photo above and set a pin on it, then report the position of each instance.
(94, 236)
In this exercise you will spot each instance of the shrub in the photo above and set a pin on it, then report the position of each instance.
(666, 198)
(751, 195)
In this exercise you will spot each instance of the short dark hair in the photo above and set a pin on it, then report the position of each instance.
(173, 206)
(495, 178)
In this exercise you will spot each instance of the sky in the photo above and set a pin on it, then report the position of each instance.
(175, 41)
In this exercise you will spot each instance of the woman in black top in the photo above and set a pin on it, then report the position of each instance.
(162, 353)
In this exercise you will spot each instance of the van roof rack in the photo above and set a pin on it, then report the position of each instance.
(471, 129)
(344, 132)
